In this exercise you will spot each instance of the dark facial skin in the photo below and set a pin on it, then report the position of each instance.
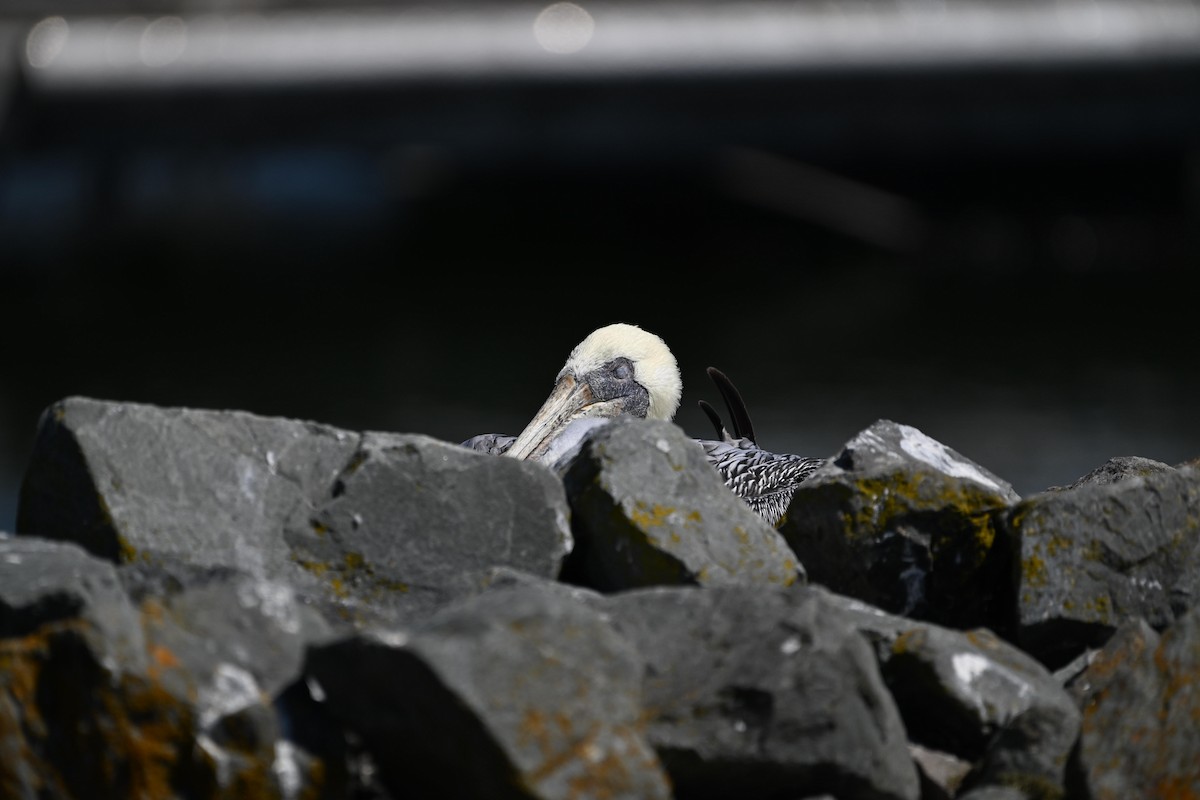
(615, 379)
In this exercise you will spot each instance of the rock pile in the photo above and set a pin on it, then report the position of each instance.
(204, 604)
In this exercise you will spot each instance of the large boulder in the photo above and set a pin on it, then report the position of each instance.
(516, 693)
(1093, 557)
(763, 692)
(649, 510)
(1141, 702)
(906, 523)
(373, 525)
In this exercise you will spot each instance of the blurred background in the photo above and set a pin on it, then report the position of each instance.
(981, 219)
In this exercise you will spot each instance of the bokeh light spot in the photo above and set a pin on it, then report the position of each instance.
(563, 28)
(45, 41)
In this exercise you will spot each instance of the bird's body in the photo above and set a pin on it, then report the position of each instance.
(622, 370)
(765, 480)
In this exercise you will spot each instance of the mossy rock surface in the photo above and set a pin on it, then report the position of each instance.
(902, 521)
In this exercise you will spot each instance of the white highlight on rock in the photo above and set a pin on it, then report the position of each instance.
(563, 28)
(12, 558)
(938, 456)
(232, 689)
(1146, 584)
(968, 667)
(219, 757)
(663, 445)
(790, 645)
(315, 690)
(287, 769)
(391, 638)
(274, 600)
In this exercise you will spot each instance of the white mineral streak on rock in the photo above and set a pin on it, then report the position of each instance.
(938, 456)
(273, 600)
(251, 479)
(231, 690)
(970, 669)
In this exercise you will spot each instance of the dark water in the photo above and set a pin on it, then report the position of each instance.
(1010, 265)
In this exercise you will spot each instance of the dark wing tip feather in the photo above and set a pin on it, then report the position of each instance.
(714, 418)
(742, 426)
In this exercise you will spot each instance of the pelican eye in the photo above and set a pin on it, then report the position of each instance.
(623, 371)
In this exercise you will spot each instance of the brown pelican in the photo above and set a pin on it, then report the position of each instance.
(622, 370)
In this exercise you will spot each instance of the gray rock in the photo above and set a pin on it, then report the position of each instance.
(1128, 644)
(134, 482)
(1139, 735)
(253, 629)
(410, 521)
(649, 510)
(1093, 557)
(1116, 470)
(44, 582)
(999, 793)
(372, 526)
(973, 696)
(517, 693)
(905, 523)
(99, 699)
(763, 692)
(228, 649)
(941, 773)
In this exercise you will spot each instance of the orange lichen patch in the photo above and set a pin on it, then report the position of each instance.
(146, 729)
(124, 734)
(153, 610)
(318, 568)
(597, 768)
(1176, 787)
(161, 658)
(534, 729)
(649, 518)
(1181, 687)
(19, 671)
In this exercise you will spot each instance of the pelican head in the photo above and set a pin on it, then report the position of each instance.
(618, 370)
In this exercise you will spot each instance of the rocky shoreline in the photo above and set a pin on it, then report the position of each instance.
(214, 604)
